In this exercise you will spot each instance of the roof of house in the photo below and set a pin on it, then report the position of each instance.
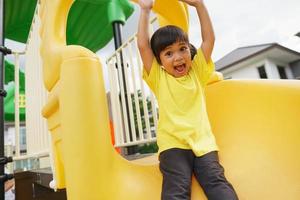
(244, 53)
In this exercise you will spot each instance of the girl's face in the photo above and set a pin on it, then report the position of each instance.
(176, 59)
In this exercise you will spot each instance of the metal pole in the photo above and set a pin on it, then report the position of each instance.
(3, 51)
(117, 30)
(2, 96)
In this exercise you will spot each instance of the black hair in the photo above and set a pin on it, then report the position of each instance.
(166, 36)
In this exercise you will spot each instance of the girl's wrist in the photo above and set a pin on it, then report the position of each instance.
(199, 4)
(146, 10)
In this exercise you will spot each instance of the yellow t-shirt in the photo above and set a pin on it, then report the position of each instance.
(183, 121)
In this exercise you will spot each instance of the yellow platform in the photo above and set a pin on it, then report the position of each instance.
(255, 122)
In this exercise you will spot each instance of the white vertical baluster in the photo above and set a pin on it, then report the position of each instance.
(129, 99)
(136, 97)
(115, 104)
(17, 115)
(125, 121)
(154, 112)
(145, 107)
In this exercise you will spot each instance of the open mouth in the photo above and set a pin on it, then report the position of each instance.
(180, 69)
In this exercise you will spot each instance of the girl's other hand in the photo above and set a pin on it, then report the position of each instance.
(146, 4)
(192, 2)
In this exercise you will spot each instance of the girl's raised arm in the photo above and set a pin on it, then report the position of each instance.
(207, 32)
(143, 39)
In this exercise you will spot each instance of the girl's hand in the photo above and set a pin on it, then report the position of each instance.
(146, 4)
(193, 3)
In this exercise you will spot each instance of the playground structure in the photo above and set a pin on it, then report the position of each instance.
(255, 123)
(9, 100)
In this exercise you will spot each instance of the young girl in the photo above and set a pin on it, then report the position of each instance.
(177, 73)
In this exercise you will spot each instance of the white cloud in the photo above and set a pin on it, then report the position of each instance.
(243, 23)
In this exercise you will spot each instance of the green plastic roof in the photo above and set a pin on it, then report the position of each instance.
(10, 75)
(18, 18)
(90, 24)
(89, 21)
(9, 105)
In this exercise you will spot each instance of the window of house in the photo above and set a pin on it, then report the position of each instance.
(281, 71)
(262, 72)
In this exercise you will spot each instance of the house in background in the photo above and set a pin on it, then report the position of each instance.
(266, 61)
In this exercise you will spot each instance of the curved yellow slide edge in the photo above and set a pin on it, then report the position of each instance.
(255, 123)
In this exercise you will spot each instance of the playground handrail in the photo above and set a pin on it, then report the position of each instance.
(143, 102)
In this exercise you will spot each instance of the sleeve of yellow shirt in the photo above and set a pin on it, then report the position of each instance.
(152, 79)
(203, 68)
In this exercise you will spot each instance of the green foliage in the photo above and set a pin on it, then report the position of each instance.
(141, 106)
(148, 148)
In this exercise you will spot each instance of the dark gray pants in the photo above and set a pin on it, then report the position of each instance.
(177, 167)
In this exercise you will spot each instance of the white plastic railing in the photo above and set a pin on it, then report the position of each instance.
(133, 106)
(36, 96)
(37, 136)
(38, 142)
(17, 104)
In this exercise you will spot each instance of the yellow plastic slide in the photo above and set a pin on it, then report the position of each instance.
(255, 122)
